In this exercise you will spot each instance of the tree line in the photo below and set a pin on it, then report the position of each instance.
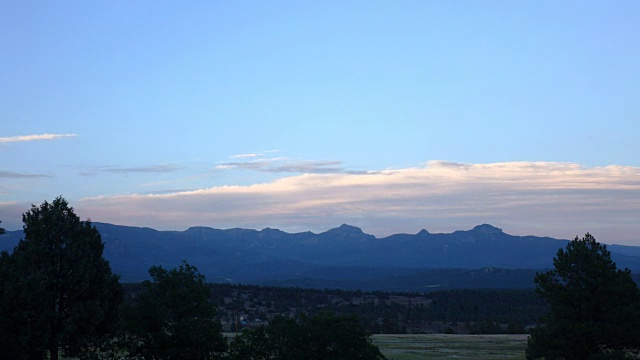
(464, 311)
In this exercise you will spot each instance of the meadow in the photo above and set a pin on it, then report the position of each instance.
(445, 346)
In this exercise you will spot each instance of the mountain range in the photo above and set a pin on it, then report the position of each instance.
(343, 257)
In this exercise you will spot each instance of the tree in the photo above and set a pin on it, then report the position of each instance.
(172, 317)
(322, 337)
(57, 292)
(594, 308)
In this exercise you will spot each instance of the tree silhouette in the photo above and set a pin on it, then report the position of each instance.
(172, 317)
(57, 292)
(594, 307)
(321, 337)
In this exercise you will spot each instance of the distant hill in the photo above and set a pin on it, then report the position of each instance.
(343, 257)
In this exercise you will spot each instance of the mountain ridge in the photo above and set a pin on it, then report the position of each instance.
(272, 255)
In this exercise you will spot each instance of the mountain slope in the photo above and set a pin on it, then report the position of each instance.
(344, 253)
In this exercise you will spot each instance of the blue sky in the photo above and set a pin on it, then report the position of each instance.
(391, 116)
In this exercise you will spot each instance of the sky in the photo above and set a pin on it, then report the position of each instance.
(393, 116)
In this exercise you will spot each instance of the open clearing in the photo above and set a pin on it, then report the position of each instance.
(444, 346)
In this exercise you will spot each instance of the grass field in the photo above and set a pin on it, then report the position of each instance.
(441, 346)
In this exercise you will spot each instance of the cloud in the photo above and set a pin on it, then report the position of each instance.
(284, 165)
(312, 167)
(253, 155)
(552, 199)
(244, 156)
(162, 168)
(252, 165)
(167, 191)
(24, 138)
(17, 175)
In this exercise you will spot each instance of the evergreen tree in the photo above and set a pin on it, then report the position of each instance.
(57, 292)
(172, 317)
(321, 337)
(594, 307)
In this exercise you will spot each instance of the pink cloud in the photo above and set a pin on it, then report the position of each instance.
(541, 198)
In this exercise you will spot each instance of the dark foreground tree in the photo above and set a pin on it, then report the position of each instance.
(594, 307)
(57, 292)
(322, 337)
(172, 318)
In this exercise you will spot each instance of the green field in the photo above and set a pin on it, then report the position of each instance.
(441, 346)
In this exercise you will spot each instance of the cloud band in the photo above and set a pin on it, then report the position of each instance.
(555, 199)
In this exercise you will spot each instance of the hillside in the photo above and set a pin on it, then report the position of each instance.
(343, 257)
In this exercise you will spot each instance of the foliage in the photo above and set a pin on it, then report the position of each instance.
(476, 305)
(594, 307)
(172, 318)
(382, 312)
(510, 310)
(324, 336)
(57, 292)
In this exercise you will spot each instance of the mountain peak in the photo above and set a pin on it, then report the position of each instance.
(487, 229)
(271, 231)
(348, 228)
(344, 230)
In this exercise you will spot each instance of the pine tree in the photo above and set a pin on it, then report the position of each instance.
(172, 317)
(594, 306)
(57, 292)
